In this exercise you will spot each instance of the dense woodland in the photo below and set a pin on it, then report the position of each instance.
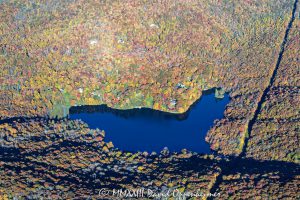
(276, 132)
(65, 159)
(133, 53)
(155, 54)
(74, 161)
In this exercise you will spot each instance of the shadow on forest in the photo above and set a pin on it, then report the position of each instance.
(284, 170)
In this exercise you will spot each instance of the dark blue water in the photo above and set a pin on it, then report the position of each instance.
(150, 130)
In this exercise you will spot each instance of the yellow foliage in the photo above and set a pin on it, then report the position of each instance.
(181, 110)
(156, 106)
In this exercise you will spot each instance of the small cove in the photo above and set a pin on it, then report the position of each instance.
(150, 130)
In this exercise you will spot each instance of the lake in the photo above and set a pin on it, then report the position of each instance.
(151, 130)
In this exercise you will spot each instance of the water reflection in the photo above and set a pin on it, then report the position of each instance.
(151, 130)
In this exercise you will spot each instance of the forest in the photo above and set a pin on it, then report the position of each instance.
(158, 54)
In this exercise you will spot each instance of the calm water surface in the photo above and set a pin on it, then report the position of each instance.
(150, 130)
